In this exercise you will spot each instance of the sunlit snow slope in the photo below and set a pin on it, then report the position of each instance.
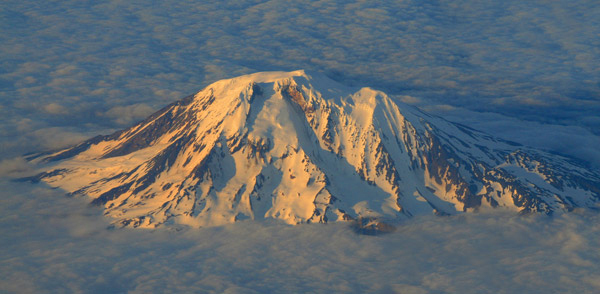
(299, 147)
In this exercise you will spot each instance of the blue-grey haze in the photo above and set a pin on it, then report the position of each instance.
(73, 69)
(83, 67)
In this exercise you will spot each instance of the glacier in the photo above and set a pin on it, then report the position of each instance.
(299, 147)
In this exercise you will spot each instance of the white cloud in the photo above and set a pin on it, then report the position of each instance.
(64, 247)
(408, 99)
(30, 136)
(56, 138)
(541, 59)
(15, 167)
(128, 115)
(54, 108)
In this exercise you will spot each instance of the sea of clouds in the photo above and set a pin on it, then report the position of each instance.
(77, 68)
(52, 244)
(527, 71)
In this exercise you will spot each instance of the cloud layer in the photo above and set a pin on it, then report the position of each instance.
(72, 69)
(81, 64)
(64, 247)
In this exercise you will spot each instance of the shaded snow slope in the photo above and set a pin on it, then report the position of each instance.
(299, 147)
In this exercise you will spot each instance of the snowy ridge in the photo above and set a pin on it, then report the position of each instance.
(299, 147)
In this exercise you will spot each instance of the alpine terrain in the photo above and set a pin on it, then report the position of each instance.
(299, 147)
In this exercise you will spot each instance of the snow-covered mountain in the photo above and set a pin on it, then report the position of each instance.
(299, 147)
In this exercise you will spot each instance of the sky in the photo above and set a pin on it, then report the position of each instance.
(527, 71)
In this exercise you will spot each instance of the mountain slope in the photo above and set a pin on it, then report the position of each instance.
(298, 147)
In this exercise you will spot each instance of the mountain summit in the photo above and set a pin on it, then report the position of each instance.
(299, 147)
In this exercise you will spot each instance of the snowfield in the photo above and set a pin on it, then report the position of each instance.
(302, 148)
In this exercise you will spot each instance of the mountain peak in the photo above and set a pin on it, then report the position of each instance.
(266, 77)
(299, 147)
(241, 83)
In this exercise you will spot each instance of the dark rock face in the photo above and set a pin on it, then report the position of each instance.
(371, 227)
(166, 119)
